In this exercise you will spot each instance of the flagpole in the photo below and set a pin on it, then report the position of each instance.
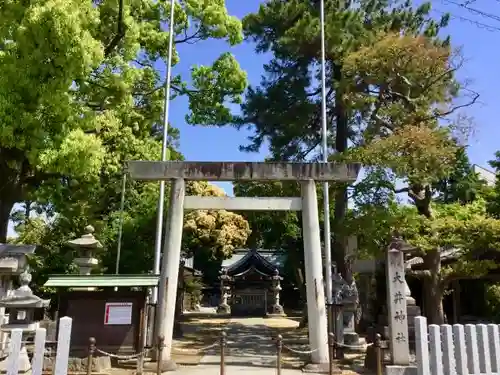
(164, 153)
(324, 147)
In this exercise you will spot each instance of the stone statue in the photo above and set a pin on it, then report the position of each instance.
(343, 292)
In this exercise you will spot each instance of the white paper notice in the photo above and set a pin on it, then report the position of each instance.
(118, 313)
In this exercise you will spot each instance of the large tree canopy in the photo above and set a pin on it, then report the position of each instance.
(389, 82)
(79, 93)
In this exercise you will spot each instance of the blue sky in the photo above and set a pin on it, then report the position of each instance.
(481, 70)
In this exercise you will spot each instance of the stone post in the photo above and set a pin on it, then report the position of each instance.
(316, 306)
(224, 308)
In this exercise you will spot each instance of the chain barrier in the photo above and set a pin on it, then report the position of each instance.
(124, 357)
(353, 347)
(300, 352)
(195, 351)
(93, 350)
(334, 348)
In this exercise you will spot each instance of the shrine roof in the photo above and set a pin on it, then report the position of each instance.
(189, 265)
(8, 249)
(264, 260)
(74, 281)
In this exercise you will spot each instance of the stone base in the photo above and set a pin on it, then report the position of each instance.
(355, 343)
(321, 368)
(224, 309)
(371, 359)
(351, 338)
(400, 370)
(167, 366)
(100, 364)
(273, 315)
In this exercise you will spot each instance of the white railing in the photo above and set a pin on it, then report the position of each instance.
(470, 349)
(62, 355)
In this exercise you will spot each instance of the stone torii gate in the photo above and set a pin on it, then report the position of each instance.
(306, 173)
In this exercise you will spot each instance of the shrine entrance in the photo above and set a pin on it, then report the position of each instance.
(250, 302)
(251, 289)
(306, 173)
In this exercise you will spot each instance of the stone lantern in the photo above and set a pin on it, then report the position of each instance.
(87, 246)
(22, 304)
(224, 307)
(277, 309)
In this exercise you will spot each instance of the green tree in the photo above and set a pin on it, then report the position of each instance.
(79, 94)
(215, 233)
(469, 232)
(494, 197)
(462, 184)
(385, 92)
(465, 230)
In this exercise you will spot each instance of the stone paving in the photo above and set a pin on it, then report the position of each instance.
(250, 349)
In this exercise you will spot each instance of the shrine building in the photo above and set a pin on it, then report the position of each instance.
(251, 272)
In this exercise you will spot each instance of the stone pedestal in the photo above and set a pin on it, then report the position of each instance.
(349, 316)
(223, 309)
(400, 370)
(277, 311)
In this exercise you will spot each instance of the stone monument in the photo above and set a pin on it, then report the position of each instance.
(224, 308)
(397, 290)
(277, 309)
(22, 304)
(86, 245)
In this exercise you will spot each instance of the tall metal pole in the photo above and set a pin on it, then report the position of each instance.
(324, 144)
(164, 151)
(120, 229)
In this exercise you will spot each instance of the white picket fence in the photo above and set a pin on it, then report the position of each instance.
(62, 354)
(470, 349)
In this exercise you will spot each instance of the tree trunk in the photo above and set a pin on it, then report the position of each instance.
(339, 249)
(433, 288)
(5, 210)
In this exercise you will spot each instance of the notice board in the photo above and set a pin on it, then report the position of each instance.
(118, 313)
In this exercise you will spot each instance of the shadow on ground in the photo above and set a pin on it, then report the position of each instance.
(251, 342)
